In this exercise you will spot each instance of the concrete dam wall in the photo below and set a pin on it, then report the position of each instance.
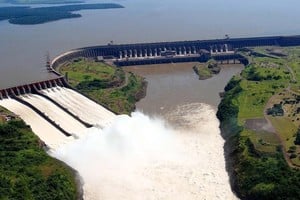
(179, 51)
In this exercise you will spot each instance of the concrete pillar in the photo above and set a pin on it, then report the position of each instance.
(146, 53)
(1, 97)
(150, 53)
(50, 83)
(13, 92)
(180, 52)
(159, 51)
(120, 55)
(6, 93)
(141, 53)
(184, 50)
(194, 50)
(35, 87)
(211, 50)
(29, 88)
(39, 86)
(226, 48)
(60, 82)
(130, 53)
(45, 85)
(24, 91)
(155, 52)
(18, 91)
(221, 48)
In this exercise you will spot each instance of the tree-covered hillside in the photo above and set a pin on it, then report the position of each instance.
(26, 170)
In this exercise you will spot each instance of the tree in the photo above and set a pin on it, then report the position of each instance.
(297, 140)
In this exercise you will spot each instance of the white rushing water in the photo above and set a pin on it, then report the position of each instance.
(139, 157)
(63, 119)
(81, 106)
(135, 157)
(45, 131)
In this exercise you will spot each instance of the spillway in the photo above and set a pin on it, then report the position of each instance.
(84, 108)
(43, 129)
(51, 121)
(60, 117)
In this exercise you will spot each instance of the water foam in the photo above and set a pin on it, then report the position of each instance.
(139, 157)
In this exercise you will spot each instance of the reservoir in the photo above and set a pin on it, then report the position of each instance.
(23, 49)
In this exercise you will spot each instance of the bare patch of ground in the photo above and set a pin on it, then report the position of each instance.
(260, 124)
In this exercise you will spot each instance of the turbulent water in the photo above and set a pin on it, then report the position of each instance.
(139, 157)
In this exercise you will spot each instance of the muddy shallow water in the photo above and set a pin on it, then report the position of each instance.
(170, 85)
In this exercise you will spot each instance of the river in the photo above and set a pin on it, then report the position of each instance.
(174, 84)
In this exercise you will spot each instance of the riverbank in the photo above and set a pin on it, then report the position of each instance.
(27, 171)
(256, 141)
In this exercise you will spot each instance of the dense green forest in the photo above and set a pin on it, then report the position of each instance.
(27, 15)
(27, 171)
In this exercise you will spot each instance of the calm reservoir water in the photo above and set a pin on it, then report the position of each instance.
(23, 48)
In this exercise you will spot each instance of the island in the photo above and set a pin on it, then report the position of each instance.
(24, 15)
(207, 70)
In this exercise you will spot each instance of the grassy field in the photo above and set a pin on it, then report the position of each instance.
(268, 77)
(82, 70)
(261, 167)
(260, 81)
(27, 171)
(110, 86)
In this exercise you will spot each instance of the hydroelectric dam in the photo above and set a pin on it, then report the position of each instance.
(57, 113)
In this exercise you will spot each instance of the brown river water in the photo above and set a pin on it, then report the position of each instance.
(174, 84)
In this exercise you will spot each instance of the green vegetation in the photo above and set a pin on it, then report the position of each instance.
(264, 159)
(297, 140)
(205, 71)
(26, 171)
(27, 15)
(108, 85)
